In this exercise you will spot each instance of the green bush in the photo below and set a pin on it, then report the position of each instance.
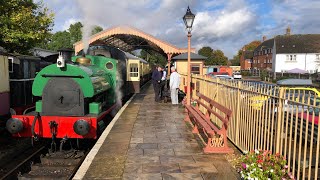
(263, 74)
(246, 73)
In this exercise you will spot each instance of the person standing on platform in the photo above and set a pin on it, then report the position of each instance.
(174, 85)
(163, 82)
(156, 78)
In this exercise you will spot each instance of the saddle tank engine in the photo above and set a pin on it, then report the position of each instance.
(75, 97)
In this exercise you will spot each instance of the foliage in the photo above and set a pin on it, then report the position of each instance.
(75, 32)
(219, 58)
(153, 57)
(206, 51)
(263, 74)
(96, 29)
(235, 61)
(249, 47)
(23, 24)
(214, 57)
(66, 39)
(60, 39)
(262, 165)
(246, 73)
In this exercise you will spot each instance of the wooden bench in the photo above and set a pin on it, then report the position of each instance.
(215, 137)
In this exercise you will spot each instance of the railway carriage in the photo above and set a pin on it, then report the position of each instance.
(22, 70)
(4, 85)
(138, 72)
(76, 96)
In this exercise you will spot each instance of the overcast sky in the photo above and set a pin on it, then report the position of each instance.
(220, 24)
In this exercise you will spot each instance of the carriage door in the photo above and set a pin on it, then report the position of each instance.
(133, 76)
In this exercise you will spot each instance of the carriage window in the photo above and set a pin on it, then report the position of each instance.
(32, 69)
(10, 61)
(26, 69)
(134, 70)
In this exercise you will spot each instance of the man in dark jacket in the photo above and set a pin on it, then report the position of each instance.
(156, 78)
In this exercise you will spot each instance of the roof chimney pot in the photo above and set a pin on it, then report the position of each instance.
(288, 31)
(264, 38)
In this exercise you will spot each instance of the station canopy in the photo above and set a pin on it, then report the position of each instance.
(129, 39)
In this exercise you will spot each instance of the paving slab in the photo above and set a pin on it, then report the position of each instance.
(150, 140)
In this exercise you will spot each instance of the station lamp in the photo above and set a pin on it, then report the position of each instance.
(188, 19)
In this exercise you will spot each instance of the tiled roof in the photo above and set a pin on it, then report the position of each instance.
(306, 43)
(193, 56)
(265, 45)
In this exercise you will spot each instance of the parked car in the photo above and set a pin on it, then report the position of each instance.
(299, 103)
(220, 75)
(292, 93)
(223, 76)
(237, 76)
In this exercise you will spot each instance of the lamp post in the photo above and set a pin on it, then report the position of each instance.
(188, 19)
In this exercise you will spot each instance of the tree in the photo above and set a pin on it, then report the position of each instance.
(249, 47)
(219, 58)
(235, 61)
(206, 51)
(23, 24)
(60, 39)
(66, 39)
(96, 29)
(153, 57)
(214, 57)
(75, 32)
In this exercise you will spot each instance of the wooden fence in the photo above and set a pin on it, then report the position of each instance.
(265, 117)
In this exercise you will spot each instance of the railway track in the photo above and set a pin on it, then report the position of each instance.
(19, 162)
(38, 163)
(58, 165)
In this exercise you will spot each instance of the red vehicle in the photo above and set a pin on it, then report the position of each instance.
(309, 116)
(307, 119)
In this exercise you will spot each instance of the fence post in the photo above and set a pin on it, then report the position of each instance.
(217, 90)
(238, 112)
(191, 91)
(279, 119)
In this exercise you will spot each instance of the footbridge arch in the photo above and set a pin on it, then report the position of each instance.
(129, 38)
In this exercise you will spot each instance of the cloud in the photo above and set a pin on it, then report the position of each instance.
(68, 22)
(225, 25)
(300, 15)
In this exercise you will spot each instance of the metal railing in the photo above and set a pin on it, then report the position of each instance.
(283, 120)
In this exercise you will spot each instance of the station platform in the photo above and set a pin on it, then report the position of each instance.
(149, 140)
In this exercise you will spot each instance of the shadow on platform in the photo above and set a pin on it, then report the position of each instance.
(151, 141)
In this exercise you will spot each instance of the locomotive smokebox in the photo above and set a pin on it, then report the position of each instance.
(14, 125)
(66, 54)
(81, 127)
